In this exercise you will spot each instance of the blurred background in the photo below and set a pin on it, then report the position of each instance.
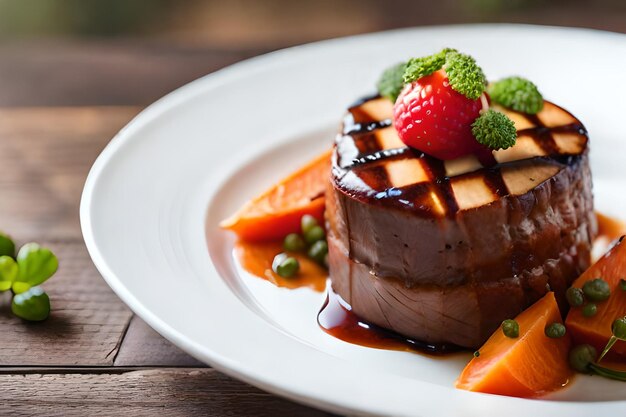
(84, 52)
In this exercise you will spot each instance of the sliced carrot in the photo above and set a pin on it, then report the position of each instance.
(527, 366)
(596, 330)
(277, 212)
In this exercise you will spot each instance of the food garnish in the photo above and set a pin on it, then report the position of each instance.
(441, 106)
(494, 130)
(589, 310)
(23, 274)
(294, 242)
(582, 358)
(575, 296)
(618, 328)
(318, 251)
(314, 234)
(510, 328)
(285, 265)
(517, 94)
(601, 325)
(464, 75)
(555, 330)
(313, 240)
(596, 290)
(391, 82)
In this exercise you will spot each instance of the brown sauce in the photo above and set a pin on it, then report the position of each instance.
(337, 319)
(256, 258)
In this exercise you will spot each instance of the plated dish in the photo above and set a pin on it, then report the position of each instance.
(160, 220)
(453, 213)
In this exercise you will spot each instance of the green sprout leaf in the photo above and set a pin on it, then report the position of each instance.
(391, 82)
(618, 330)
(417, 68)
(465, 76)
(36, 264)
(7, 246)
(32, 305)
(8, 272)
(494, 130)
(516, 93)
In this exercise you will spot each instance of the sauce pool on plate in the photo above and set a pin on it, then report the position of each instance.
(337, 319)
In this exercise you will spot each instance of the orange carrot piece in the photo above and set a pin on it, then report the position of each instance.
(527, 366)
(596, 330)
(610, 227)
(277, 212)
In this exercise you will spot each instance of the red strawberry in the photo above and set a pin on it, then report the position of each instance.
(433, 118)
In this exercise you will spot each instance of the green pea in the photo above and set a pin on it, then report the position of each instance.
(318, 251)
(32, 305)
(7, 246)
(476, 353)
(575, 296)
(285, 266)
(314, 234)
(597, 289)
(622, 284)
(581, 356)
(619, 328)
(589, 310)
(555, 330)
(293, 242)
(510, 328)
(307, 223)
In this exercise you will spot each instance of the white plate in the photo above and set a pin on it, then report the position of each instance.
(155, 195)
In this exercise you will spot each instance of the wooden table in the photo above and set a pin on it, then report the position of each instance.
(92, 356)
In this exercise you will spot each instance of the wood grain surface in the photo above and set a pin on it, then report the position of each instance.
(170, 392)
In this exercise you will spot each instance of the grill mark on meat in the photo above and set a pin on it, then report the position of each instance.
(542, 135)
(381, 155)
(353, 129)
(437, 173)
(567, 128)
(495, 182)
